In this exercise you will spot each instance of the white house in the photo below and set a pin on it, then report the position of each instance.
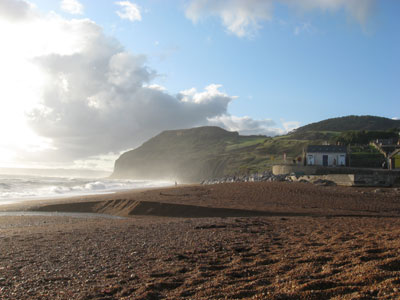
(326, 155)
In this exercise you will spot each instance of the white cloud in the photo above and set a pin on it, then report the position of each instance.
(244, 18)
(129, 11)
(303, 28)
(100, 162)
(210, 94)
(73, 94)
(248, 126)
(72, 6)
(109, 104)
(290, 125)
(358, 9)
(156, 87)
(15, 9)
(98, 98)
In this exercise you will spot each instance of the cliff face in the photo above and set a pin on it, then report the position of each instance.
(189, 155)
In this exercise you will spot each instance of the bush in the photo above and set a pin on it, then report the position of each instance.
(366, 160)
(365, 137)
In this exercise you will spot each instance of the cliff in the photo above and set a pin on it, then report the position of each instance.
(186, 155)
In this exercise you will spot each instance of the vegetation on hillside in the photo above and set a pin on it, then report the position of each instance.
(200, 153)
(365, 137)
(195, 154)
(355, 123)
(366, 156)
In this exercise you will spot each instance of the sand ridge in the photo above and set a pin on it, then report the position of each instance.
(240, 199)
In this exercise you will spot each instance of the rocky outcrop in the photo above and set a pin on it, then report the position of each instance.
(264, 176)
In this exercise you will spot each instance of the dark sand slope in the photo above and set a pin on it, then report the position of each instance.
(240, 199)
(148, 208)
(319, 255)
(126, 208)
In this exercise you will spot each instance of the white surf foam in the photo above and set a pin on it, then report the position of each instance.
(17, 187)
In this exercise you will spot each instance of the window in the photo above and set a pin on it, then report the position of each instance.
(342, 160)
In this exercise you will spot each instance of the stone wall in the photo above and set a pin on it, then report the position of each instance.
(297, 169)
(349, 179)
(339, 175)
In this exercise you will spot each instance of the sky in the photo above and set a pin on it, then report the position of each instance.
(83, 81)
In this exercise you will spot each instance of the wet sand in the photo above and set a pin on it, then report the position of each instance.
(229, 241)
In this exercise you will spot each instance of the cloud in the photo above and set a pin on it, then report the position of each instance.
(358, 9)
(244, 18)
(99, 99)
(241, 18)
(156, 87)
(303, 28)
(290, 125)
(246, 125)
(130, 11)
(91, 98)
(103, 103)
(15, 10)
(72, 6)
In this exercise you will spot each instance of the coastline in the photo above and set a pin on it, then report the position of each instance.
(314, 242)
(289, 198)
(22, 188)
(29, 204)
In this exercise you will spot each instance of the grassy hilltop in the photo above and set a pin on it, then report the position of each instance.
(192, 155)
(367, 123)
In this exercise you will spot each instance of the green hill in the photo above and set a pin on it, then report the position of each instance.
(335, 126)
(191, 155)
(187, 155)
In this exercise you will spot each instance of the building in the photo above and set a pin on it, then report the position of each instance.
(390, 151)
(394, 159)
(326, 155)
(384, 142)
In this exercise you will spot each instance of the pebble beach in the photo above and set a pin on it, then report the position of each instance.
(262, 240)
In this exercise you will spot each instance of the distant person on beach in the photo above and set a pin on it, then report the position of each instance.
(176, 184)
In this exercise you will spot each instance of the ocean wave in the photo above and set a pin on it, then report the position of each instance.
(96, 186)
(23, 188)
(4, 186)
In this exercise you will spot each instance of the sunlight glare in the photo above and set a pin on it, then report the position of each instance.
(22, 84)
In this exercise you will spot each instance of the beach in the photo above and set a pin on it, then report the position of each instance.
(264, 240)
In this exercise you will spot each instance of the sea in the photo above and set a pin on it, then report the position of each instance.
(16, 188)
